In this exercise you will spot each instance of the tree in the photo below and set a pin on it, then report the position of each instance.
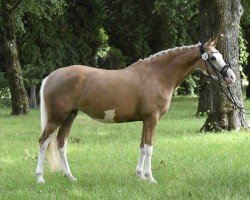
(19, 100)
(223, 17)
(205, 96)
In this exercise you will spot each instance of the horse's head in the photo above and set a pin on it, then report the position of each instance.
(213, 63)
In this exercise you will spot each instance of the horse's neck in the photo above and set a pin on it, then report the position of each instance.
(172, 69)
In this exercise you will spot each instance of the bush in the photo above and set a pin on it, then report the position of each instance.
(188, 86)
(111, 58)
(5, 97)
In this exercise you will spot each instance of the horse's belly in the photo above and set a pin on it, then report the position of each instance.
(108, 117)
(112, 115)
(115, 108)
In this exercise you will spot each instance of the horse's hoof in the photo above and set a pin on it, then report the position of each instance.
(141, 175)
(71, 177)
(40, 179)
(150, 179)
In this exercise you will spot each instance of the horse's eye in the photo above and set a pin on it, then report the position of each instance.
(213, 58)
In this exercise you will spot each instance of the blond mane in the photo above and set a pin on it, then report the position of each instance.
(169, 51)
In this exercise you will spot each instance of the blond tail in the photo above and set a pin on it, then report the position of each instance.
(52, 150)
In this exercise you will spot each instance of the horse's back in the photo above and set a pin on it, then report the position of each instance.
(65, 81)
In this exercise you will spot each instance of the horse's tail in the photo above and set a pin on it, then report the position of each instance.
(52, 150)
(43, 111)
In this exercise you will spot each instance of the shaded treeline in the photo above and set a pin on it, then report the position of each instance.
(105, 34)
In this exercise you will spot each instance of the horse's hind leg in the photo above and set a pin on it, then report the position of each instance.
(62, 143)
(44, 141)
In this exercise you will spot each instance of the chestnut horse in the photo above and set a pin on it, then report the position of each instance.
(140, 92)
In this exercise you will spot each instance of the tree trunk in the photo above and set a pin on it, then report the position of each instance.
(223, 17)
(19, 100)
(205, 96)
(32, 97)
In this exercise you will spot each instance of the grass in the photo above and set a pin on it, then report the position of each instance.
(103, 157)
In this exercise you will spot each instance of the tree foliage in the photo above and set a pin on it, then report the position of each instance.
(62, 34)
(246, 15)
(53, 34)
(245, 43)
(141, 28)
(105, 34)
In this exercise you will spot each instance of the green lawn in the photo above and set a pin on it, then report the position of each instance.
(103, 157)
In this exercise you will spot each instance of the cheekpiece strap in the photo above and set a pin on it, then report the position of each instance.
(202, 50)
(204, 55)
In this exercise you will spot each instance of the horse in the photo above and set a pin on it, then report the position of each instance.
(140, 92)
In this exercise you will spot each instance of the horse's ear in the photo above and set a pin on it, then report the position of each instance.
(214, 43)
(208, 42)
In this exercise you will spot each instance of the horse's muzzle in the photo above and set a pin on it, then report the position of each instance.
(223, 71)
(228, 74)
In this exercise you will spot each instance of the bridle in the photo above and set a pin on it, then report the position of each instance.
(220, 75)
(205, 56)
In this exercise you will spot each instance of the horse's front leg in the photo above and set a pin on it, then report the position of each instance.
(140, 165)
(143, 168)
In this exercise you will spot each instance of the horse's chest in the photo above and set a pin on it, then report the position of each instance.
(164, 108)
(162, 103)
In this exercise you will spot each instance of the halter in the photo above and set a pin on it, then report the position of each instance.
(220, 74)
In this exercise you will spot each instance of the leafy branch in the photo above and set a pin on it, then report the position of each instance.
(15, 5)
